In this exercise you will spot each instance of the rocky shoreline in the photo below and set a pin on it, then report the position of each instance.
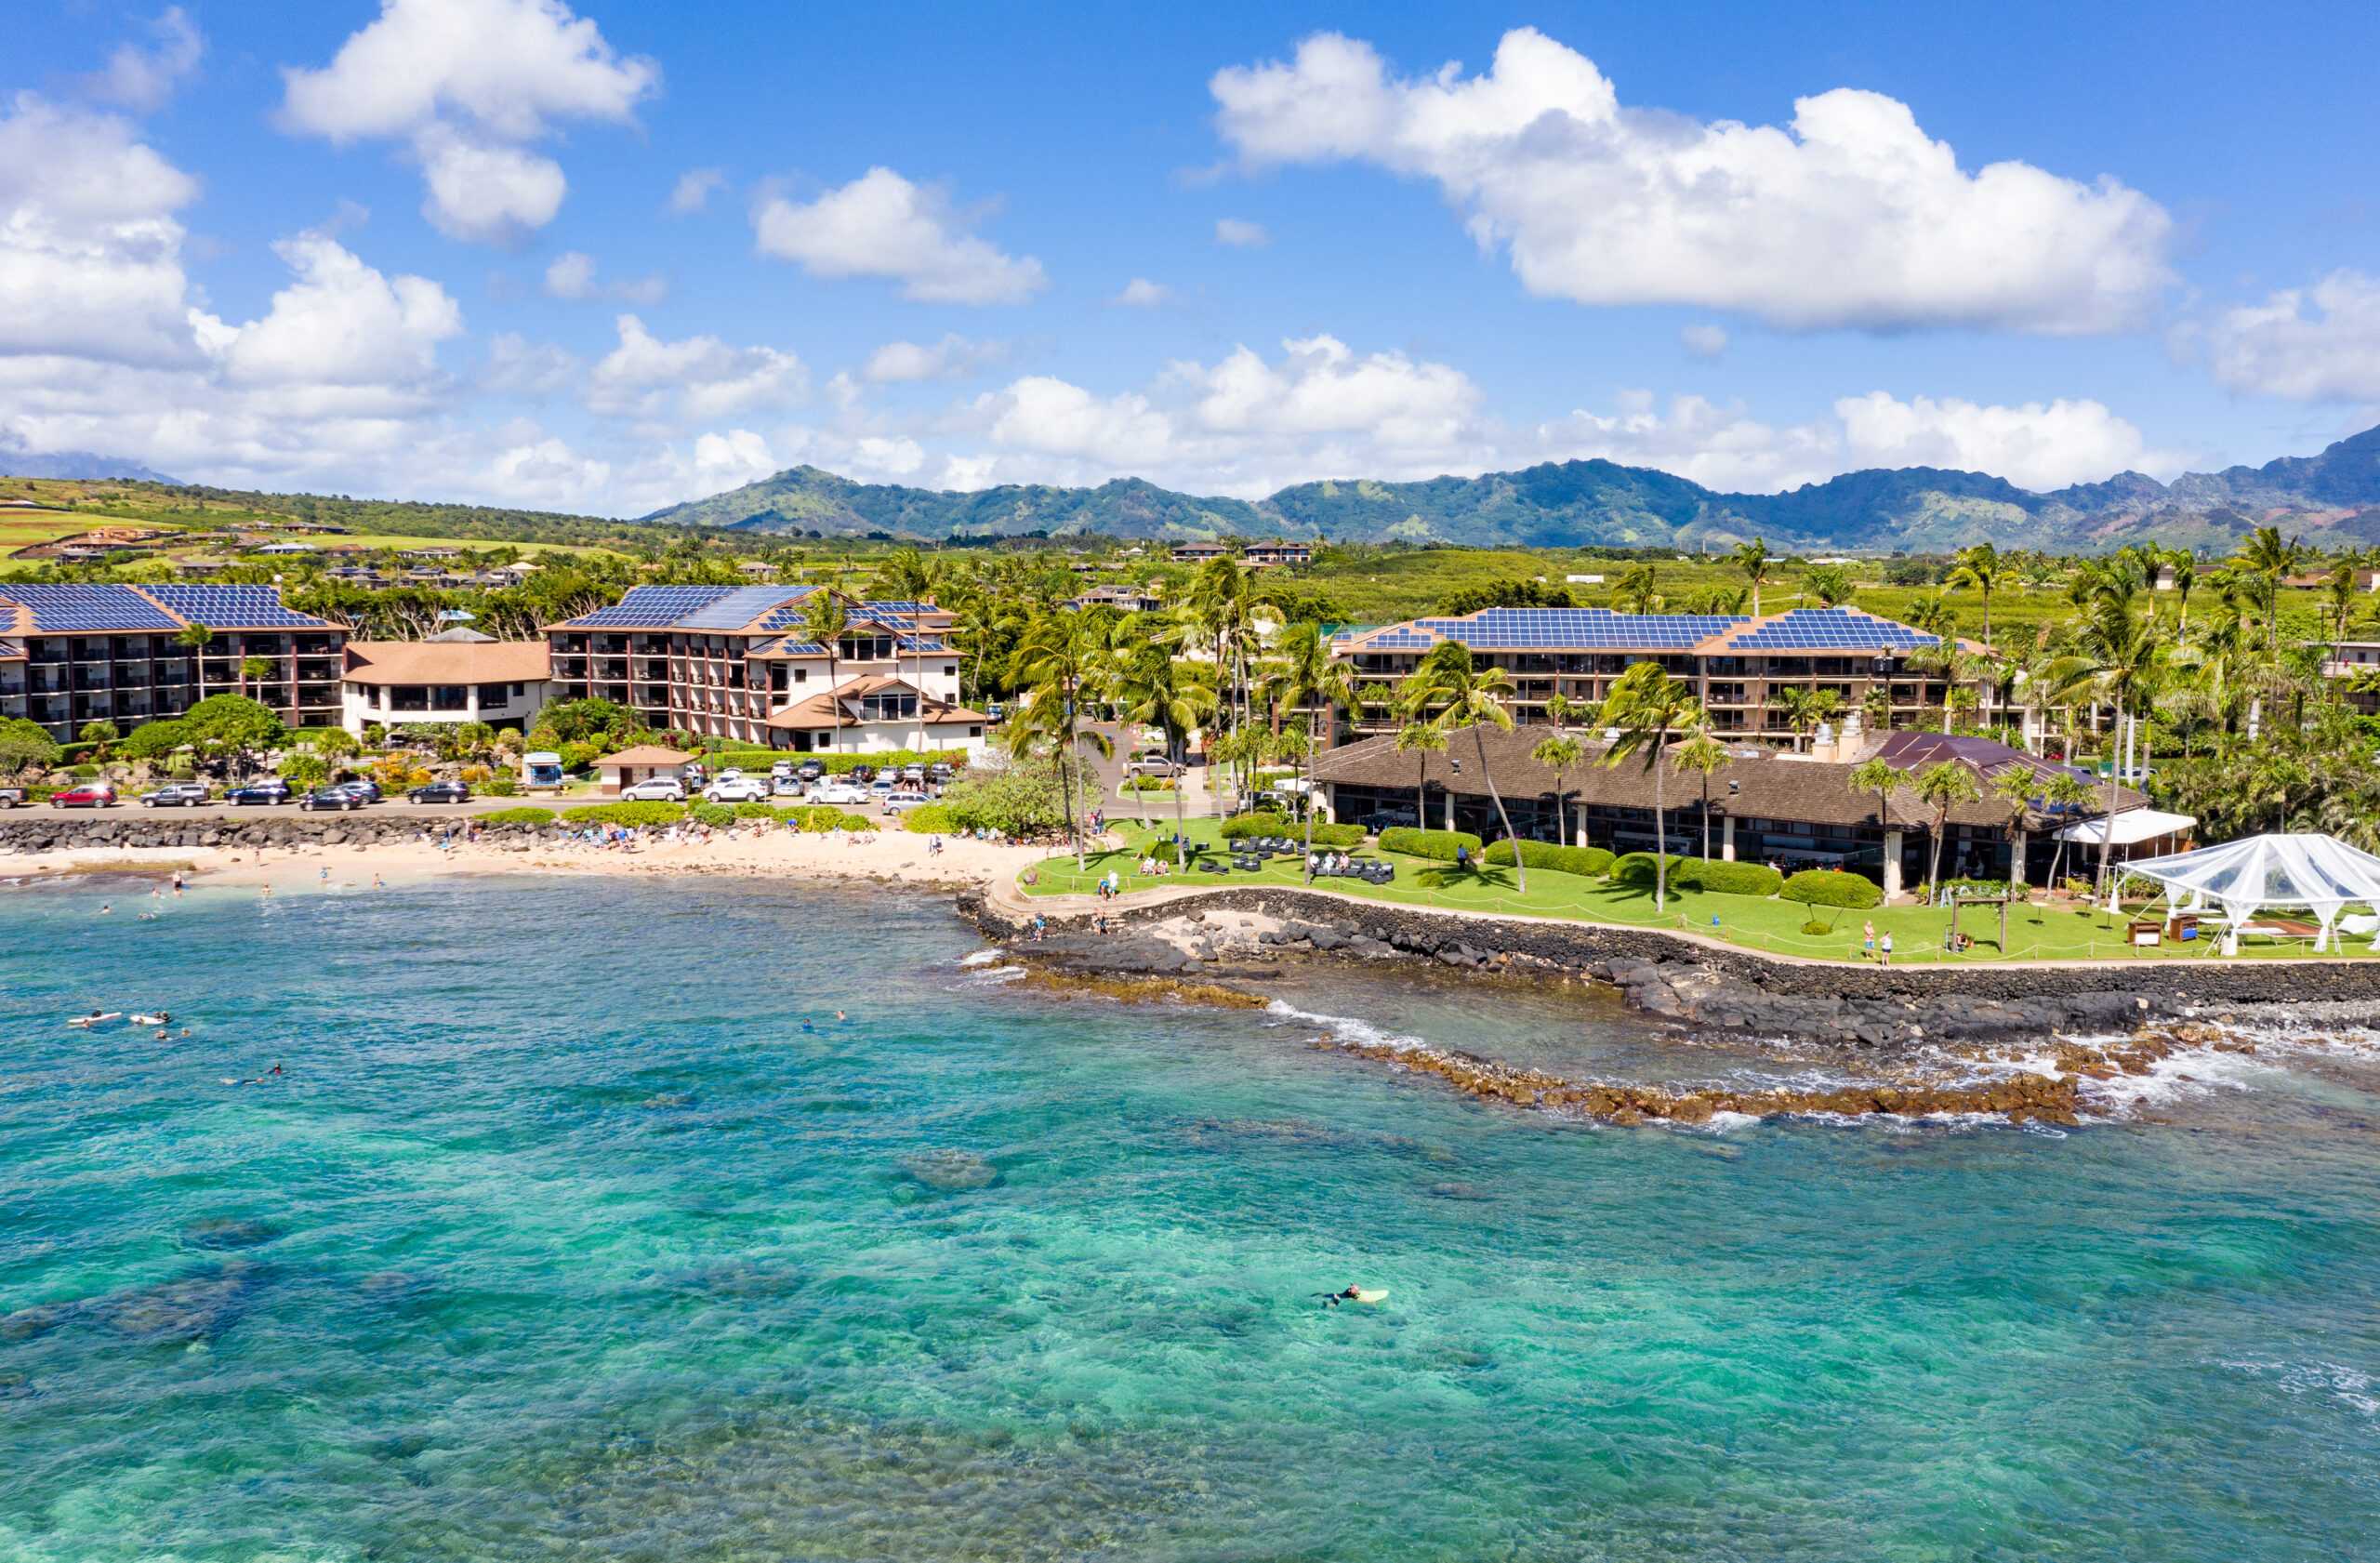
(60, 831)
(2064, 1018)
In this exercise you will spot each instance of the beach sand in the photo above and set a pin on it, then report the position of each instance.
(884, 856)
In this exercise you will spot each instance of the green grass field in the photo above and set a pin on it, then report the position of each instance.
(2050, 932)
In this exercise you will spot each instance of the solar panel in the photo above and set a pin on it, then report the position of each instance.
(911, 644)
(237, 607)
(654, 607)
(88, 609)
(735, 610)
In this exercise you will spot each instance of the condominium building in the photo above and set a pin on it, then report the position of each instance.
(74, 654)
(1740, 668)
(456, 675)
(734, 662)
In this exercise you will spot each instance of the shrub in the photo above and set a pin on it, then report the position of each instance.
(1016, 801)
(501, 785)
(1728, 879)
(1562, 860)
(824, 817)
(1439, 844)
(1338, 835)
(519, 816)
(86, 771)
(577, 756)
(624, 814)
(929, 819)
(713, 815)
(755, 810)
(1165, 852)
(1239, 828)
(1148, 784)
(1636, 868)
(1815, 928)
(1832, 887)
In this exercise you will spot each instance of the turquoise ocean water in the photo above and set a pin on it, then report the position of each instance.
(558, 1237)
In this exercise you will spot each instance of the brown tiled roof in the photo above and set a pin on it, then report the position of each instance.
(646, 754)
(446, 662)
(1770, 786)
(818, 710)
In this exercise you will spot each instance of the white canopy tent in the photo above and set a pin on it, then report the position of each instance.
(2128, 829)
(2315, 872)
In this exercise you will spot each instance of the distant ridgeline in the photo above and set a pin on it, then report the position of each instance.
(2335, 497)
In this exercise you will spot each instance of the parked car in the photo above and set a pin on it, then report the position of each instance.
(14, 798)
(913, 773)
(782, 770)
(786, 786)
(904, 800)
(176, 795)
(1152, 763)
(90, 795)
(939, 771)
(273, 792)
(442, 792)
(731, 772)
(339, 798)
(810, 770)
(861, 774)
(837, 792)
(366, 785)
(737, 790)
(654, 789)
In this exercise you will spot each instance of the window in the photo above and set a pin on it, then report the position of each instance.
(494, 694)
(409, 698)
(952, 672)
(450, 698)
(975, 732)
(802, 675)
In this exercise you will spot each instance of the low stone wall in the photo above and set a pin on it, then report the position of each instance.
(1696, 983)
(92, 830)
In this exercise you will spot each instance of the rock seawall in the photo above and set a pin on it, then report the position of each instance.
(58, 831)
(1694, 984)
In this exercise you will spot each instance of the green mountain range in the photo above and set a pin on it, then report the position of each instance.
(2334, 498)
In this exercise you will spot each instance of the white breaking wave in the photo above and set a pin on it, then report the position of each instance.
(983, 957)
(1349, 1029)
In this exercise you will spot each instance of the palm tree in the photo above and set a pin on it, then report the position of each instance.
(1058, 660)
(1425, 738)
(1753, 560)
(2065, 793)
(1557, 755)
(2269, 560)
(1306, 675)
(1883, 779)
(824, 620)
(2014, 789)
(1638, 593)
(1830, 583)
(1980, 566)
(1646, 706)
(255, 667)
(1474, 697)
(1945, 784)
(909, 578)
(1703, 755)
(1159, 692)
(2116, 657)
(1806, 709)
(2184, 565)
(2340, 589)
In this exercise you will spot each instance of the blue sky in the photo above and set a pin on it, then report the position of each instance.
(612, 256)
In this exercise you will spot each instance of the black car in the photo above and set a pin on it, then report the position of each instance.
(441, 792)
(369, 789)
(176, 795)
(810, 770)
(260, 792)
(339, 798)
(862, 773)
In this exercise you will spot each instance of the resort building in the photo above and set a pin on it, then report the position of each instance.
(1763, 805)
(1276, 552)
(1199, 553)
(1740, 667)
(734, 662)
(456, 675)
(72, 654)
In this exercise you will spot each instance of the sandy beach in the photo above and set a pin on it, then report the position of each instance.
(884, 856)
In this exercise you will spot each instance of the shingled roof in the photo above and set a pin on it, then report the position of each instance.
(1771, 786)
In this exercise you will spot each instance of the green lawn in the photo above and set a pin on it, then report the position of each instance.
(2054, 932)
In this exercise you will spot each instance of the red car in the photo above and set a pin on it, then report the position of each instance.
(91, 795)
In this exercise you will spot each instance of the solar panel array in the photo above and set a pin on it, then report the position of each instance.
(911, 644)
(237, 607)
(898, 607)
(88, 609)
(1830, 630)
(1400, 640)
(1563, 628)
(652, 607)
(735, 610)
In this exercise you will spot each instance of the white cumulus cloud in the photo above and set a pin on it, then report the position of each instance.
(2312, 344)
(2037, 445)
(1850, 217)
(881, 225)
(1705, 341)
(1241, 233)
(692, 193)
(471, 85)
(144, 78)
(688, 382)
(572, 277)
(952, 358)
(1143, 294)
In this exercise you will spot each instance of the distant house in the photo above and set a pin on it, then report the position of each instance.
(644, 763)
(1130, 598)
(1278, 552)
(457, 675)
(1199, 553)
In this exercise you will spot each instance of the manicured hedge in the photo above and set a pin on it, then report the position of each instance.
(1832, 887)
(1240, 826)
(1338, 835)
(630, 813)
(519, 816)
(755, 810)
(929, 819)
(713, 814)
(1545, 854)
(1693, 873)
(1439, 844)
